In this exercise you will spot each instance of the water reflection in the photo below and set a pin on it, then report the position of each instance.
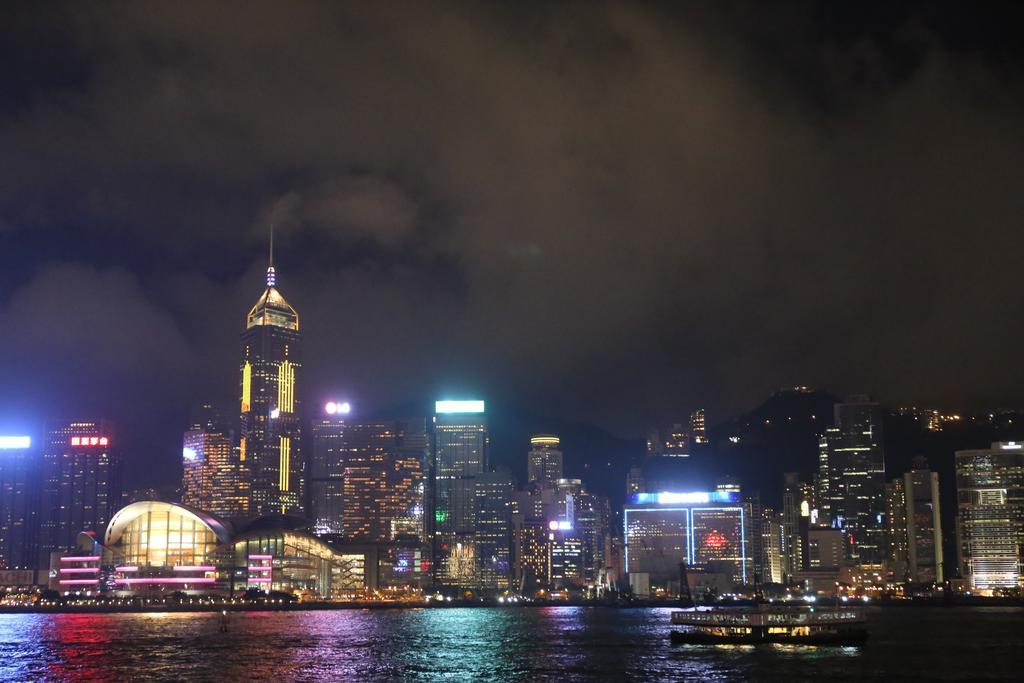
(563, 643)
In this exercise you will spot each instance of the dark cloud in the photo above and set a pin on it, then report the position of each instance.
(604, 212)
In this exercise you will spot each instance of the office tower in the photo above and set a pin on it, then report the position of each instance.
(80, 485)
(213, 479)
(493, 509)
(367, 477)
(270, 368)
(593, 528)
(990, 515)
(565, 557)
(459, 455)
(824, 500)
(856, 477)
(531, 560)
(772, 564)
(698, 429)
(705, 529)
(18, 463)
(792, 541)
(896, 526)
(924, 529)
(544, 461)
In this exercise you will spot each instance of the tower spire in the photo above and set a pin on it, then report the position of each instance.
(271, 276)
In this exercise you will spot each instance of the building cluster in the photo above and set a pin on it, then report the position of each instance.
(330, 504)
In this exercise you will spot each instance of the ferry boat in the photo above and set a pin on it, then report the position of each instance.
(763, 624)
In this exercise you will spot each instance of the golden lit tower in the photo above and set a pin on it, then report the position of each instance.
(269, 442)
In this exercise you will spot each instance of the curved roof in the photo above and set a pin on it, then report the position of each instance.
(126, 515)
(272, 309)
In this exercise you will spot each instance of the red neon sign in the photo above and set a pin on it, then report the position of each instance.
(90, 441)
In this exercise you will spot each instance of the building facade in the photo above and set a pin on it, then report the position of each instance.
(493, 510)
(367, 478)
(459, 456)
(923, 524)
(270, 443)
(213, 478)
(18, 467)
(855, 476)
(707, 530)
(80, 483)
(544, 461)
(990, 515)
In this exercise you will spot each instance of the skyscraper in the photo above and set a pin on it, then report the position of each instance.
(270, 367)
(990, 515)
(367, 477)
(924, 528)
(896, 526)
(213, 479)
(18, 464)
(856, 477)
(494, 528)
(544, 461)
(80, 484)
(459, 455)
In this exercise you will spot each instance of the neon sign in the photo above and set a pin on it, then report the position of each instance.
(685, 498)
(9, 442)
(90, 441)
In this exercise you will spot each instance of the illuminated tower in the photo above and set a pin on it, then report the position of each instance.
(212, 478)
(269, 442)
(80, 484)
(544, 461)
(17, 519)
(990, 515)
(460, 454)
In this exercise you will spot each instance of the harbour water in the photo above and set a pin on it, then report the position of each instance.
(512, 643)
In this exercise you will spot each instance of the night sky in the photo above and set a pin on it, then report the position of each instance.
(599, 213)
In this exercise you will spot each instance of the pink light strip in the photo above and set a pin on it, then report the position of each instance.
(261, 557)
(198, 579)
(80, 558)
(195, 569)
(260, 580)
(79, 582)
(126, 569)
(265, 568)
(79, 570)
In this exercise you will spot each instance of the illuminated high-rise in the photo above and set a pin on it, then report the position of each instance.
(544, 461)
(990, 515)
(270, 441)
(924, 528)
(855, 476)
(18, 462)
(80, 483)
(707, 530)
(367, 477)
(213, 479)
(493, 510)
(459, 455)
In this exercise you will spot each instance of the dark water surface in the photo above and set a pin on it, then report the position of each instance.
(565, 643)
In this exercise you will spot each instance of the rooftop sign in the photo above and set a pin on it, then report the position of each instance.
(441, 407)
(685, 498)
